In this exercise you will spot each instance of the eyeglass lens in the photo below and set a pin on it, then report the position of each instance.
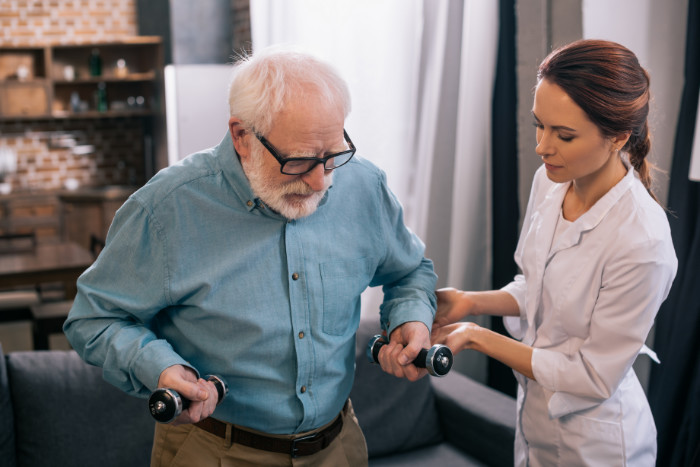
(296, 167)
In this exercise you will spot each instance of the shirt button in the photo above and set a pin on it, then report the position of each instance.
(295, 276)
(301, 335)
(249, 203)
(303, 389)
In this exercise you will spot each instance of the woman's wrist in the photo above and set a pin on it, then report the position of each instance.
(470, 301)
(475, 337)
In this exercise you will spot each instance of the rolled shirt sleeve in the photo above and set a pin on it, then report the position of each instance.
(407, 277)
(635, 283)
(108, 323)
(517, 325)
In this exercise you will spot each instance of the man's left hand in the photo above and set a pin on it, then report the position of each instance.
(406, 341)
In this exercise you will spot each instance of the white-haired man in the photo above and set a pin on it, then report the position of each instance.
(247, 261)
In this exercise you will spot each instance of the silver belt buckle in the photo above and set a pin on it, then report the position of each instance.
(294, 449)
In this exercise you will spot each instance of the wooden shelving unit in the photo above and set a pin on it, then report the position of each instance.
(39, 82)
(55, 82)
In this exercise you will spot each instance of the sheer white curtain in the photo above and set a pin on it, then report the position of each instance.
(420, 73)
(375, 45)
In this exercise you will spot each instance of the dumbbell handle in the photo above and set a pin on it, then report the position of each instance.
(437, 360)
(166, 404)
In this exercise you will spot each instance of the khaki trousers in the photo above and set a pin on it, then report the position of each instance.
(189, 446)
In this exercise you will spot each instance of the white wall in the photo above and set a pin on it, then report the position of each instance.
(655, 31)
(197, 110)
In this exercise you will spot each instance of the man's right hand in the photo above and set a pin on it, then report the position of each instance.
(202, 394)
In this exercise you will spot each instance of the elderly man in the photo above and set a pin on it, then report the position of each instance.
(247, 261)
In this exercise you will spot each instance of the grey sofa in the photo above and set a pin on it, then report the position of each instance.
(55, 410)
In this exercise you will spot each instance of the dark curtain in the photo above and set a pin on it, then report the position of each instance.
(504, 169)
(674, 386)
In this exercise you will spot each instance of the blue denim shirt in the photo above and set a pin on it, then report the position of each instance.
(197, 271)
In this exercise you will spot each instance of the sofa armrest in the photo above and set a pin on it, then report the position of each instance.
(7, 419)
(475, 418)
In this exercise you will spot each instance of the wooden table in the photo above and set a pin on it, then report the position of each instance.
(49, 262)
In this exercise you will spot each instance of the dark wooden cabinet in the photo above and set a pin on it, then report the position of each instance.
(25, 90)
(36, 213)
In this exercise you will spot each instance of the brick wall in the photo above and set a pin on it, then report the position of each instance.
(240, 10)
(65, 21)
(118, 155)
(43, 162)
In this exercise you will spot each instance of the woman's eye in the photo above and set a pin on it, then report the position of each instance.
(566, 138)
(537, 125)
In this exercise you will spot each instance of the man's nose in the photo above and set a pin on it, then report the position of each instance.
(315, 177)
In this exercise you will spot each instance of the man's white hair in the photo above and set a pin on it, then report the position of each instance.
(263, 84)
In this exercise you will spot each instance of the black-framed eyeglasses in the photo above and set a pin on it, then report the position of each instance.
(302, 165)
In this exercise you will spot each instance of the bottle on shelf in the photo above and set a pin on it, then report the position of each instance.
(75, 102)
(101, 97)
(95, 63)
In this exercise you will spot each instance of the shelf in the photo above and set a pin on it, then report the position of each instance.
(106, 114)
(44, 92)
(133, 77)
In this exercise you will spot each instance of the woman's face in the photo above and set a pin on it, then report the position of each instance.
(569, 143)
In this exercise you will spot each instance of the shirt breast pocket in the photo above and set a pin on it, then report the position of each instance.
(343, 283)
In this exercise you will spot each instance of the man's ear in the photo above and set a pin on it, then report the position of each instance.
(239, 136)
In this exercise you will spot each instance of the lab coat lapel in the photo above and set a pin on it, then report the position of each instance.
(544, 223)
(591, 218)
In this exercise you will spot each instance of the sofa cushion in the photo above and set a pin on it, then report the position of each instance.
(7, 426)
(476, 419)
(441, 455)
(382, 400)
(66, 414)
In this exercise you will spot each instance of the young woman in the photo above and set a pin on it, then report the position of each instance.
(597, 261)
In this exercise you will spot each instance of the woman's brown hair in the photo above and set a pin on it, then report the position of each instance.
(606, 80)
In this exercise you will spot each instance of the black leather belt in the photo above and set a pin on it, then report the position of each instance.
(302, 446)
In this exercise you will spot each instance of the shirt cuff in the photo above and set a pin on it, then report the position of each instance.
(153, 359)
(409, 311)
(515, 325)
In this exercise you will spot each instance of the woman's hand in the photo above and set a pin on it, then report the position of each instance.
(452, 306)
(471, 336)
(457, 337)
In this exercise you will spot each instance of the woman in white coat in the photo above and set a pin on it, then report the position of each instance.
(597, 261)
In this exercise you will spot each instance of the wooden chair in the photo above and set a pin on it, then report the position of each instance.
(48, 316)
(15, 304)
(47, 319)
(96, 245)
(14, 242)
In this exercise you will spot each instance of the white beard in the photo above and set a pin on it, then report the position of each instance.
(276, 196)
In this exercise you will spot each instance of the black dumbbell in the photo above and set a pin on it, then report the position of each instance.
(166, 404)
(437, 359)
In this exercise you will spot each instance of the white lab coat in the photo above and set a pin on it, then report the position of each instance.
(597, 290)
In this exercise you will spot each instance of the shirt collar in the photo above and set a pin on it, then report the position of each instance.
(230, 166)
(599, 210)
